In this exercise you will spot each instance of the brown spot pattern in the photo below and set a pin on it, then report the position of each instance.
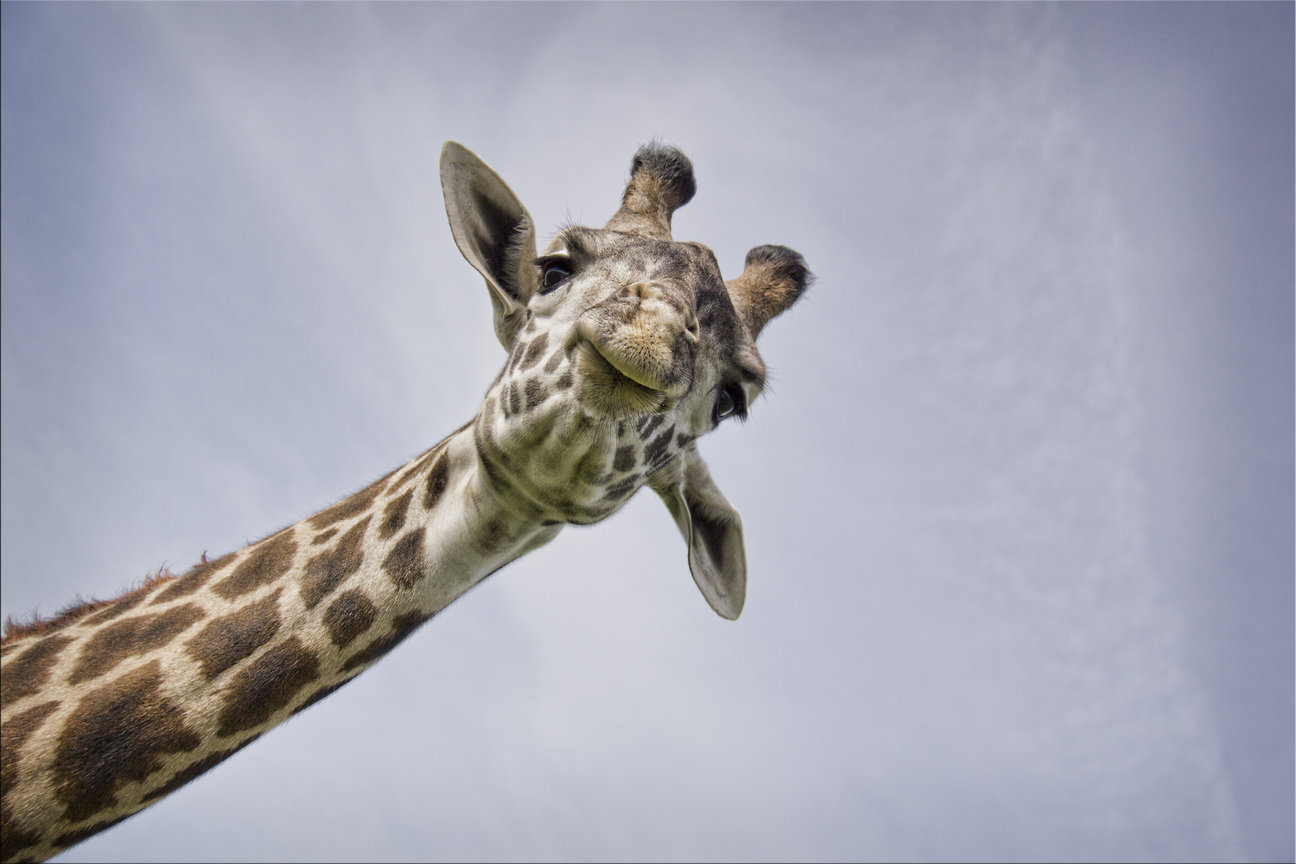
(117, 607)
(74, 837)
(190, 582)
(438, 477)
(27, 672)
(402, 626)
(394, 515)
(323, 537)
(656, 448)
(233, 637)
(551, 365)
(267, 685)
(330, 569)
(535, 351)
(13, 733)
(419, 466)
(648, 424)
(621, 488)
(404, 563)
(349, 616)
(117, 734)
(352, 506)
(93, 611)
(269, 560)
(536, 393)
(625, 458)
(15, 839)
(195, 770)
(318, 695)
(129, 638)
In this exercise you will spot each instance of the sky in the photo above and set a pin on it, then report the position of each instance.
(1018, 504)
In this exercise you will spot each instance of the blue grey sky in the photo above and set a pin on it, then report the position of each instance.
(1018, 507)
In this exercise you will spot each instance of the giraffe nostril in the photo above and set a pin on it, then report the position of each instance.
(643, 291)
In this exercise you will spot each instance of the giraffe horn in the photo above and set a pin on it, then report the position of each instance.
(661, 180)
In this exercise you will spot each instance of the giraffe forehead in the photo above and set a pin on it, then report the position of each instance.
(634, 257)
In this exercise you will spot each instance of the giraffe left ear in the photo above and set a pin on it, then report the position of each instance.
(713, 531)
(493, 231)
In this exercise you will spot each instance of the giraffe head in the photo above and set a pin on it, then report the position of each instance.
(625, 347)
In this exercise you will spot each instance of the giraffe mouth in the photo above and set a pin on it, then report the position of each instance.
(615, 389)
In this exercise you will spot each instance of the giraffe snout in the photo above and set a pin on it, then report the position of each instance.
(666, 311)
(647, 333)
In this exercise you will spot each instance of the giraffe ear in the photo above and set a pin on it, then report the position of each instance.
(773, 278)
(713, 531)
(493, 231)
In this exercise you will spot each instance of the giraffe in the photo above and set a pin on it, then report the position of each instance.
(624, 347)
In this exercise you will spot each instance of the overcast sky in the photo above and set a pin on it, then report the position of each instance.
(1018, 509)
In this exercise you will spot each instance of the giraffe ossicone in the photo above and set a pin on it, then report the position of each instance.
(624, 348)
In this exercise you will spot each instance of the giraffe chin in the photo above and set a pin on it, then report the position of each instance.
(608, 392)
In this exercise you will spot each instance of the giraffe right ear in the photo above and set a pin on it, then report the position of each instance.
(773, 278)
(712, 530)
(493, 231)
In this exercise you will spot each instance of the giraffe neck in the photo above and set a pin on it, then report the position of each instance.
(108, 712)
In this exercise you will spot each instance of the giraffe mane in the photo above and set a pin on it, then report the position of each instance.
(15, 630)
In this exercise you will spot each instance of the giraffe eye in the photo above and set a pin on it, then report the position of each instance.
(553, 272)
(730, 402)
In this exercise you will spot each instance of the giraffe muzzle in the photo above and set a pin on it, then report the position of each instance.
(652, 350)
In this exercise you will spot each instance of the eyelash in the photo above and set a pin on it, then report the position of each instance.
(559, 264)
(736, 407)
